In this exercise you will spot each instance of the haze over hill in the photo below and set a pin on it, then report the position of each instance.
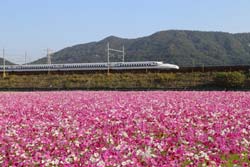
(184, 48)
(6, 62)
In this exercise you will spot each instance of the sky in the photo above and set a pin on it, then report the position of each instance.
(34, 25)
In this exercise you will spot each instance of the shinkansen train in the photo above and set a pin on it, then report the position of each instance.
(89, 66)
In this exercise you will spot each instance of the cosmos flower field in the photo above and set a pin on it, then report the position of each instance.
(124, 128)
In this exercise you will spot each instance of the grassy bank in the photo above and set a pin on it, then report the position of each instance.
(130, 81)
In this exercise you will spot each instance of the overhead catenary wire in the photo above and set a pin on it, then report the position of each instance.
(110, 54)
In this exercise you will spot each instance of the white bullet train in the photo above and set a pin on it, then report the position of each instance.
(89, 66)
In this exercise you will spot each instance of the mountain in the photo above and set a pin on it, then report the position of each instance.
(184, 48)
(6, 62)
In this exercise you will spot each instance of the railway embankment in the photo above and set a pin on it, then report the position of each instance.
(239, 80)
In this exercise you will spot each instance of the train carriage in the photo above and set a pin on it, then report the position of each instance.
(89, 66)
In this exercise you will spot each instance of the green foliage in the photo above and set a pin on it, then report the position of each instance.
(229, 79)
(232, 160)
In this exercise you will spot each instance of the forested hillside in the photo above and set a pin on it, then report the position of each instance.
(184, 48)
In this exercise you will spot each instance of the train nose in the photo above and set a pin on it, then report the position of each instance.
(177, 67)
(170, 66)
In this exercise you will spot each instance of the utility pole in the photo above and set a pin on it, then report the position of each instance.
(123, 53)
(49, 56)
(115, 50)
(108, 57)
(4, 74)
(25, 58)
(48, 50)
